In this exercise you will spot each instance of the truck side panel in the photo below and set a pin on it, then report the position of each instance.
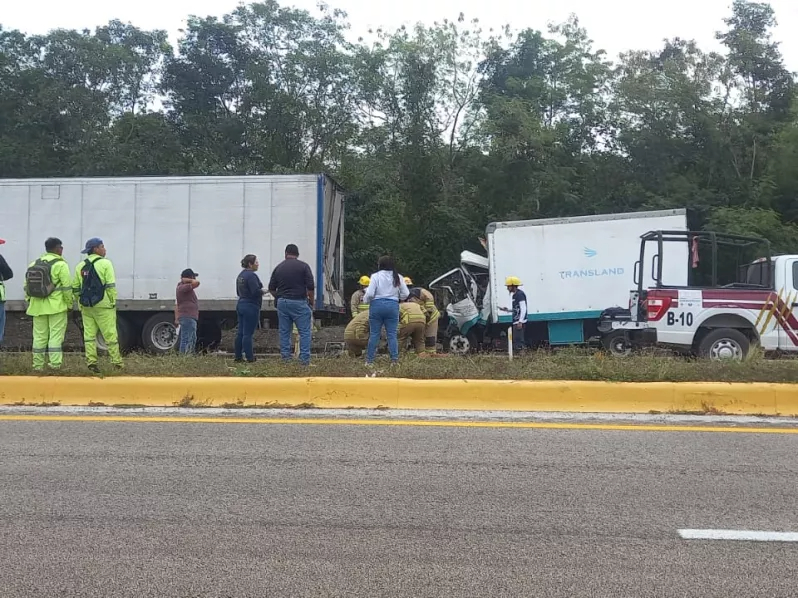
(156, 227)
(575, 269)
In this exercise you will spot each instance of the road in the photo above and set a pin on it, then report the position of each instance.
(211, 510)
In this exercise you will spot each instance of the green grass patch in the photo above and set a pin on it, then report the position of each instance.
(572, 364)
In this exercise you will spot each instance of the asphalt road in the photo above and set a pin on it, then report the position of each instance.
(172, 510)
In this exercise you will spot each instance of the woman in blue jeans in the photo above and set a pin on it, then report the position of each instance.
(250, 291)
(386, 288)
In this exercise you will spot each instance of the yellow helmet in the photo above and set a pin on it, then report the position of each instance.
(512, 281)
(408, 280)
(364, 281)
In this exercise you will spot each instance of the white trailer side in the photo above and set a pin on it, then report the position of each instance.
(574, 268)
(154, 227)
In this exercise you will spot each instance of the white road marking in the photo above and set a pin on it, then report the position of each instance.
(738, 534)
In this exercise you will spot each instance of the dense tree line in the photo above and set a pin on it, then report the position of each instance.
(435, 130)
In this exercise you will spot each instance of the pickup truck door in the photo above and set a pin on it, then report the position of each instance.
(787, 340)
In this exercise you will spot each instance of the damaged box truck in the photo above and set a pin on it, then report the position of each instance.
(573, 270)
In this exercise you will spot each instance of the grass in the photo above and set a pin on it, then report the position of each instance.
(561, 365)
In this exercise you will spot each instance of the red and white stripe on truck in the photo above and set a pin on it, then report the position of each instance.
(677, 314)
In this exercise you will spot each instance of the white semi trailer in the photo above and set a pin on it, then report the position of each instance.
(154, 227)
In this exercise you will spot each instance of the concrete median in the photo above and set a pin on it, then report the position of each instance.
(401, 393)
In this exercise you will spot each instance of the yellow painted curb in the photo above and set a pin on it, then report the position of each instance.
(401, 393)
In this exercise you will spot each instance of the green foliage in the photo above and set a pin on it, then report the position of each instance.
(435, 130)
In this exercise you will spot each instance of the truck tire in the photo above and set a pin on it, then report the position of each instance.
(462, 344)
(159, 334)
(125, 334)
(724, 343)
(617, 343)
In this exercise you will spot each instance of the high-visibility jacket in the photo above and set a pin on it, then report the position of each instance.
(358, 328)
(411, 312)
(105, 270)
(60, 300)
(428, 301)
(356, 304)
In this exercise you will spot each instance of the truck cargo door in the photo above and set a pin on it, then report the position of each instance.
(332, 246)
(788, 331)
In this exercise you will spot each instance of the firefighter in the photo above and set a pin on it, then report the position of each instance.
(356, 334)
(356, 304)
(48, 292)
(432, 315)
(94, 287)
(412, 323)
(519, 311)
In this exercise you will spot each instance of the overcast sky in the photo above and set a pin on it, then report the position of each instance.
(615, 25)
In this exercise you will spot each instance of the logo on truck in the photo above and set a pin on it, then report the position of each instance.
(590, 272)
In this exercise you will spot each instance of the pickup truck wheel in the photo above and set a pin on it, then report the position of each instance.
(724, 343)
(617, 343)
(159, 334)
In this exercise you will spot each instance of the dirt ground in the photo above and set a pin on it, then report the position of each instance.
(18, 336)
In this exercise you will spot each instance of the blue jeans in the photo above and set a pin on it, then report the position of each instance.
(188, 335)
(248, 314)
(290, 312)
(383, 312)
(2, 320)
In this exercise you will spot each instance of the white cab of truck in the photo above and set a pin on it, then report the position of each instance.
(154, 227)
(572, 270)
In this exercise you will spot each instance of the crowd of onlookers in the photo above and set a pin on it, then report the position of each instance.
(386, 303)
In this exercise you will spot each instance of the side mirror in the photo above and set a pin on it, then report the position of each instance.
(637, 272)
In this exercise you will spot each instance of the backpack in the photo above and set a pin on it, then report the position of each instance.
(92, 289)
(39, 278)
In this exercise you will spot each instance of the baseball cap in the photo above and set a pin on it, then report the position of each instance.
(92, 244)
(188, 273)
(2, 241)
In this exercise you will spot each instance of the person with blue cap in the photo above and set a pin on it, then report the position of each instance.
(95, 288)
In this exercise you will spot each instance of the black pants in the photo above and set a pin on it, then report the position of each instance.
(518, 338)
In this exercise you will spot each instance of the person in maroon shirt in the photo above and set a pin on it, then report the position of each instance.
(187, 310)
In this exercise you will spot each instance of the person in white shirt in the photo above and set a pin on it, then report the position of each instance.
(386, 289)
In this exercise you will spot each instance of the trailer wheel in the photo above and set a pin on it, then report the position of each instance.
(724, 343)
(617, 343)
(159, 334)
(124, 332)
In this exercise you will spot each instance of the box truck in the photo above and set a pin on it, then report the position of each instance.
(573, 270)
(154, 227)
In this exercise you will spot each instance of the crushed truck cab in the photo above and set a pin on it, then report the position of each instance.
(728, 304)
